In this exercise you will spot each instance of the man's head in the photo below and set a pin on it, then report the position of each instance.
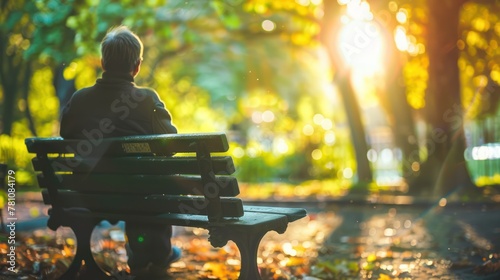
(121, 51)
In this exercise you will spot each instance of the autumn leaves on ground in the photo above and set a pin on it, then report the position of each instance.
(335, 241)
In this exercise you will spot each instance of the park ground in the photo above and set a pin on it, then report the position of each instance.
(349, 237)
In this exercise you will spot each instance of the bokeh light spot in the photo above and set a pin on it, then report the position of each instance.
(268, 25)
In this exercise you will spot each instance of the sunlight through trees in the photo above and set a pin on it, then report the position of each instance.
(349, 90)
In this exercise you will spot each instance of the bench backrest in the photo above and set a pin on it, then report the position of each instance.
(174, 173)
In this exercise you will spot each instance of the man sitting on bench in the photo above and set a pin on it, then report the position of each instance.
(115, 107)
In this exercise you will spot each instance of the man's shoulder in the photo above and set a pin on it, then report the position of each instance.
(83, 91)
(146, 92)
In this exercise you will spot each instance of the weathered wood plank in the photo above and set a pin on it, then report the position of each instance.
(248, 222)
(222, 165)
(292, 214)
(144, 204)
(143, 184)
(163, 144)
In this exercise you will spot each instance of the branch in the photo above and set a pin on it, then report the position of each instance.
(165, 56)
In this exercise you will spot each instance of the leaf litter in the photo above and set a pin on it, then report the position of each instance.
(325, 245)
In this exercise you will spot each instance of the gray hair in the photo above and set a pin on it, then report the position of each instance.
(121, 50)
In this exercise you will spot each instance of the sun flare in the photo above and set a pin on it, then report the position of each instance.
(360, 41)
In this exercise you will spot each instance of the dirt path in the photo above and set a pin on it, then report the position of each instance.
(408, 242)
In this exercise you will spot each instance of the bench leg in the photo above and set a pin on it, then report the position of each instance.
(248, 244)
(83, 232)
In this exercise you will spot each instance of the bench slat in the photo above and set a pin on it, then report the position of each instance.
(248, 223)
(292, 214)
(136, 165)
(142, 184)
(145, 144)
(144, 204)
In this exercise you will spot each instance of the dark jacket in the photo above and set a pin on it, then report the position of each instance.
(115, 107)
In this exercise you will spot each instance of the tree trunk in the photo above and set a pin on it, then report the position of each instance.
(393, 98)
(329, 32)
(9, 99)
(401, 120)
(64, 88)
(445, 167)
(11, 68)
(356, 126)
(26, 91)
(9, 77)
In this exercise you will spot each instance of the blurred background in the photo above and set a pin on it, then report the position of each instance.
(318, 97)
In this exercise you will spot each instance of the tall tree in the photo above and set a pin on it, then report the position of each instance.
(392, 96)
(445, 140)
(15, 33)
(454, 45)
(329, 37)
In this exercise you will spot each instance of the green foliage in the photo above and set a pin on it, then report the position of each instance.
(479, 55)
(43, 103)
(411, 20)
(227, 14)
(51, 40)
(188, 104)
(479, 61)
(214, 65)
(13, 153)
(252, 68)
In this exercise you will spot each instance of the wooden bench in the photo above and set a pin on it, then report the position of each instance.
(169, 179)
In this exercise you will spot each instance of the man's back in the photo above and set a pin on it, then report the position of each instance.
(114, 107)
